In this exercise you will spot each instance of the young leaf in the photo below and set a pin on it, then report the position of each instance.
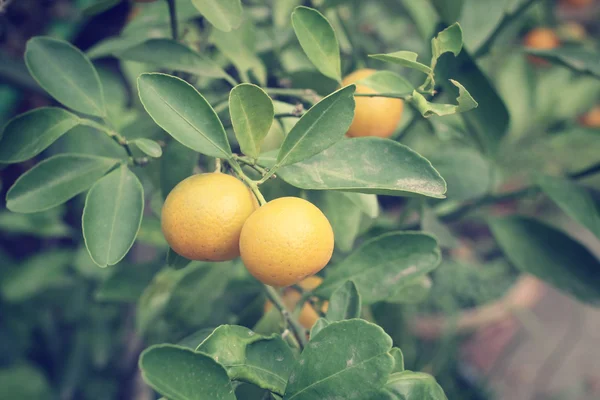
(448, 40)
(318, 326)
(547, 253)
(574, 200)
(318, 40)
(29, 134)
(387, 82)
(248, 357)
(398, 359)
(427, 109)
(578, 59)
(366, 165)
(169, 54)
(346, 359)
(176, 261)
(406, 59)
(178, 108)
(414, 385)
(66, 74)
(183, 374)
(149, 147)
(252, 114)
(344, 303)
(321, 127)
(382, 266)
(56, 180)
(224, 15)
(112, 216)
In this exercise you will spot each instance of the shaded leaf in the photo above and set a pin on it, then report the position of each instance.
(382, 266)
(178, 108)
(176, 261)
(413, 292)
(149, 147)
(318, 40)
(398, 359)
(126, 282)
(406, 59)
(578, 59)
(432, 225)
(177, 163)
(155, 298)
(343, 213)
(182, 374)
(344, 303)
(387, 82)
(408, 385)
(550, 255)
(450, 40)
(56, 180)
(427, 109)
(99, 6)
(112, 216)
(224, 15)
(29, 134)
(24, 382)
(66, 74)
(318, 326)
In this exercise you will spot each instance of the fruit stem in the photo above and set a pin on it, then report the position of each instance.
(249, 182)
(297, 330)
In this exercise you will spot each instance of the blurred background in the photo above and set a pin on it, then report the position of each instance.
(71, 330)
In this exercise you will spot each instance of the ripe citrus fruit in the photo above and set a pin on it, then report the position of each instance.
(203, 216)
(373, 116)
(291, 297)
(591, 118)
(541, 39)
(285, 241)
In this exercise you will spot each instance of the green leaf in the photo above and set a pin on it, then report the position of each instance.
(112, 216)
(318, 326)
(550, 255)
(382, 266)
(408, 385)
(149, 147)
(44, 225)
(427, 109)
(366, 165)
(578, 59)
(176, 261)
(56, 180)
(98, 7)
(347, 359)
(319, 128)
(24, 382)
(479, 19)
(182, 374)
(155, 298)
(574, 200)
(224, 15)
(178, 108)
(66, 74)
(432, 225)
(396, 353)
(28, 134)
(406, 59)
(450, 40)
(413, 292)
(126, 282)
(387, 82)
(172, 55)
(252, 115)
(318, 40)
(176, 164)
(248, 357)
(344, 303)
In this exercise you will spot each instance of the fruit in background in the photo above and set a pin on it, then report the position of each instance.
(541, 39)
(591, 119)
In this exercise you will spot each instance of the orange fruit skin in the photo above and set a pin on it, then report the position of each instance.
(541, 39)
(591, 119)
(576, 3)
(373, 116)
(308, 316)
(203, 216)
(285, 241)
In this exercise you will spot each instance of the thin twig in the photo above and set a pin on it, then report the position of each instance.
(173, 19)
(307, 95)
(118, 138)
(297, 330)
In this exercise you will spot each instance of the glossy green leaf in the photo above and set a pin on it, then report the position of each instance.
(28, 134)
(149, 147)
(172, 55)
(406, 59)
(578, 59)
(176, 261)
(450, 40)
(344, 303)
(66, 74)
(382, 266)
(387, 82)
(56, 180)
(347, 359)
(428, 109)
(248, 357)
(318, 326)
(549, 254)
(413, 292)
(178, 108)
(408, 385)
(398, 359)
(319, 128)
(99, 6)
(176, 164)
(431, 224)
(112, 216)
(224, 15)
(182, 374)
(318, 40)
(574, 200)
(366, 165)
(126, 282)
(252, 114)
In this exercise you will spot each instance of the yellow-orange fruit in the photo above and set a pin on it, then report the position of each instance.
(308, 316)
(541, 39)
(203, 216)
(285, 241)
(591, 118)
(373, 116)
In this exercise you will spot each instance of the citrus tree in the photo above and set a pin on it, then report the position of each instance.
(251, 154)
